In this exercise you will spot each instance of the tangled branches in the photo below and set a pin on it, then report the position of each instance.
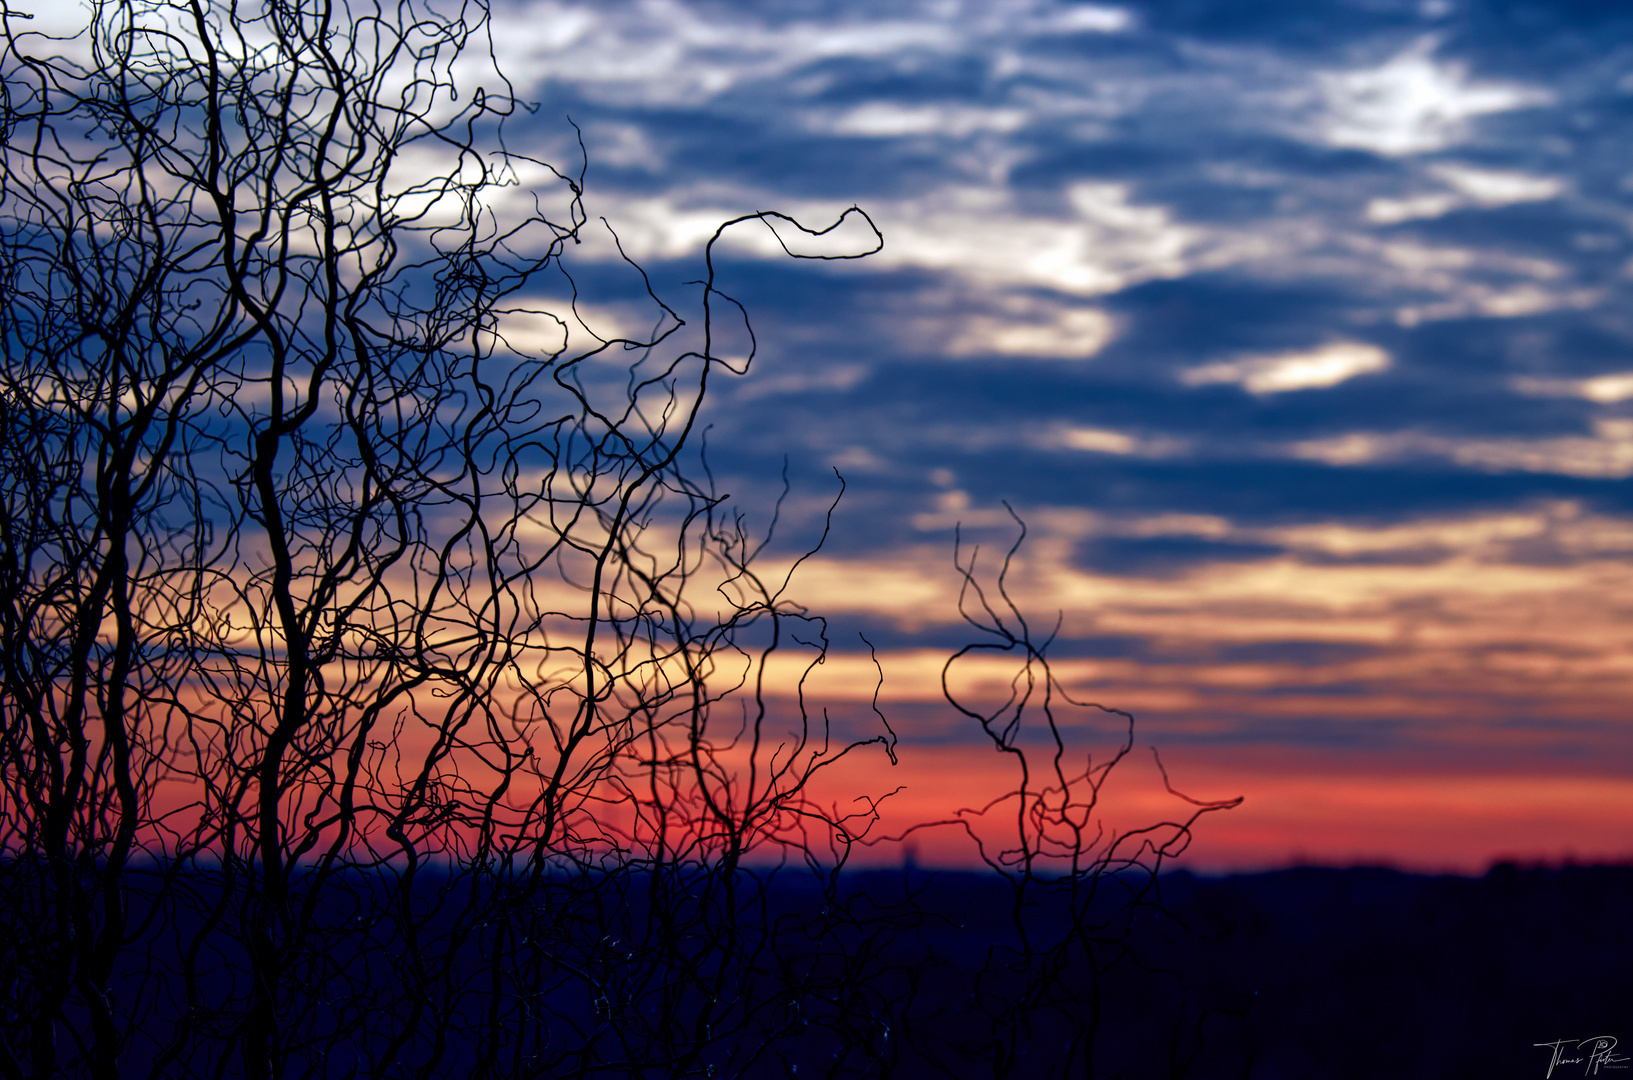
(380, 691)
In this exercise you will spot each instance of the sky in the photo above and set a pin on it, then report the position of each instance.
(1297, 333)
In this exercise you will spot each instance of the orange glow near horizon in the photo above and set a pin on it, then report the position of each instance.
(1466, 712)
(1436, 694)
(1298, 807)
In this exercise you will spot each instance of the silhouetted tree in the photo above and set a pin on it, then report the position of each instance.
(383, 684)
(1072, 886)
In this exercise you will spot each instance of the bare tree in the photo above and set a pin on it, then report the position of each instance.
(383, 683)
(1072, 887)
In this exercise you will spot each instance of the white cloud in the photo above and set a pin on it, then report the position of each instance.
(1092, 18)
(1099, 440)
(665, 51)
(1071, 333)
(1605, 454)
(1476, 298)
(542, 332)
(1096, 440)
(1110, 243)
(1492, 187)
(1470, 187)
(978, 233)
(1413, 104)
(1385, 211)
(1325, 367)
(887, 119)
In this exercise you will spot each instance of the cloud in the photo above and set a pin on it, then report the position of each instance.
(1090, 18)
(1106, 242)
(884, 119)
(1412, 621)
(1325, 367)
(1493, 187)
(1470, 187)
(675, 53)
(1413, 103)
(534, 326)
(1099, 440)
(1603, 389)
(1039, 330)
(1167, 556)
(666, 51)
(1606, 453)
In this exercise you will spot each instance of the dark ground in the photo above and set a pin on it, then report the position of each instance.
(1317, 972)
(1294, 975)
(1359, 973)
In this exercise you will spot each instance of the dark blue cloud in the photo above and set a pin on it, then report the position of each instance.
(1280, 492)
(1541, 41)
(1205, 314)
(1164, 556)
(907, 80)
(1538, 229)
(1290, 24)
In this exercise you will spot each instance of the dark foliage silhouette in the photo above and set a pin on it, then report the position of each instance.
(384, 687)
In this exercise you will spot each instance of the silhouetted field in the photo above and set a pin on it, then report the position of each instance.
(1316, 972)
(1374, 973)
(1299, 973)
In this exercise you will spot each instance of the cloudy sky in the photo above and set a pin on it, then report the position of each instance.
(1298, 333)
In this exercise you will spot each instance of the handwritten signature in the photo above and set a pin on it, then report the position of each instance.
(1593, 1054)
